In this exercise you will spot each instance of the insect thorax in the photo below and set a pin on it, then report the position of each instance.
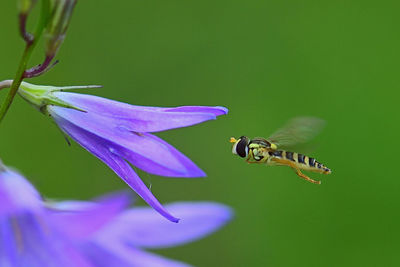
(261, 142)
(258, 152)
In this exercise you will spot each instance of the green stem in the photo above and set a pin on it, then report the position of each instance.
(19, 76)
(17, 81)
(5, 84)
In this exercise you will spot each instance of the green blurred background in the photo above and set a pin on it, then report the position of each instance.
(267, 61)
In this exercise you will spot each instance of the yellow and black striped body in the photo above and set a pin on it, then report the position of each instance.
(301, 161)
(261, 151)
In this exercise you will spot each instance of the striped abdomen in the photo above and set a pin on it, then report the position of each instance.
(302, 162)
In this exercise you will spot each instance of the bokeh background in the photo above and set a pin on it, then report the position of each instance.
(267, 61)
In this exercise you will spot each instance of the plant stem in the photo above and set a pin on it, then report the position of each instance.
(5, 84)
(17, 81)
(30, 45)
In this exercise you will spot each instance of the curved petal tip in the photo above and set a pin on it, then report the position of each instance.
(221, 111)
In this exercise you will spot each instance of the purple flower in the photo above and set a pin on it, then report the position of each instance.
(26, 236)
(121, 241)
(98, 233)
(119, 133)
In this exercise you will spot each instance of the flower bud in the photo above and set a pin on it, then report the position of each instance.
(61, 12)
(25, 6)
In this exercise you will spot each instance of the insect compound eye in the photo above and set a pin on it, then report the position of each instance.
(241, 148)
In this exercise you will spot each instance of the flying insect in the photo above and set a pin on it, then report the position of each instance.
(271, 151)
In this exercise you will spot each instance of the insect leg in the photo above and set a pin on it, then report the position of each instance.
(250, 157)
(302, 175)
(294, 167)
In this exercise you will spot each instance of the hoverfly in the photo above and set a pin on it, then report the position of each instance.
(270, 151)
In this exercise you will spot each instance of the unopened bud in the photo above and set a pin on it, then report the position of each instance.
(61, 12)
(25, 6)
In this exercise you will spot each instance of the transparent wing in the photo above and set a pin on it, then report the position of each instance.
(297, 131)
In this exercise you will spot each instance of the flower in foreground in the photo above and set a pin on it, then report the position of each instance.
(99, 233)
(119, 133)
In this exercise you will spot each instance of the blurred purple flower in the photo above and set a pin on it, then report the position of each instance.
(100, 233)
(121, 241)
(27, 238)
(119, 133)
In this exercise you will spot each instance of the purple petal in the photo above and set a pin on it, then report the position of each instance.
(141, 227)
(123, 170)
(8, 246)
(79, 220)
(26, 236)
(29, 241)
(106, 253)
(145, 151)
(217, 111)
(160, 158)
(142, 118)
(104, 150)
(17, 194)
